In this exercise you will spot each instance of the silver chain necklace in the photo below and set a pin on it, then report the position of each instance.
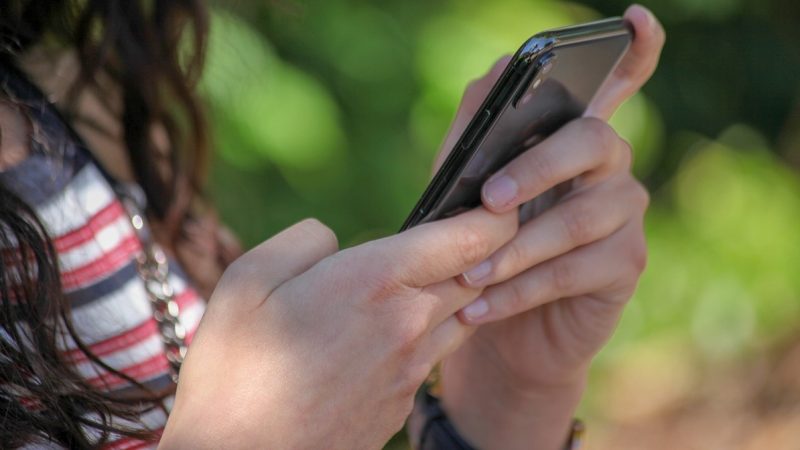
(153, 268)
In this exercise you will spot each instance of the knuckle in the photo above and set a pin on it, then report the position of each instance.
(562, 277)
(578, 223)
(642, 195)
(384, 285)
(235, 273)
(513, 257)
(320, 232)
(541, 167)
(408, 337)
(517, 298)
(415, 375)
(472, 245)
(601, 133)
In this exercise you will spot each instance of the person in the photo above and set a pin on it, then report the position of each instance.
(109, 243)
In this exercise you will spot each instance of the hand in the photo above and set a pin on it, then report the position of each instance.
(556, 291)
(305, 347)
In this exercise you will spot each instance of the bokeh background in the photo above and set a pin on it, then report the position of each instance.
(335, 109)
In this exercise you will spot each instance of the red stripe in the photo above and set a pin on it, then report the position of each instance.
(128, 443)
(118, 342)
(104, 217)
(142, 371)
(108, 263)
(133, 336)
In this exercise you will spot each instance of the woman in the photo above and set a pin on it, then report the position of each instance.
(301, 345)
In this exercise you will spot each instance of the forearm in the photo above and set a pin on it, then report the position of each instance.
(495, 415)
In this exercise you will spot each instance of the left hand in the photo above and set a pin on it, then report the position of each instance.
(556, 291)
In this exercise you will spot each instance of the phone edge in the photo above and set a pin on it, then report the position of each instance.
(523, 60)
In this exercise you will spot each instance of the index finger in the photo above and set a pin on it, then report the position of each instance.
(436, 251)
(636, 66)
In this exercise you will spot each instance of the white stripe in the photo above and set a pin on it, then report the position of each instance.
(190, 318)
(112, 314)
(85, 195)
(178, 284)
(120, 311)
(144, 349)
(104, 241)
(137, 353)
(153, 420)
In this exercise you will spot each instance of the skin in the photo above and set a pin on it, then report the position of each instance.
(555, 292)
(305, 346)
(301, 337)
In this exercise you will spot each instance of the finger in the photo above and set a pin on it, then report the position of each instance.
(436, 251)
(584, 145)
(441, 300)
(636, 66)
(476, 91)
(580, 219)
(446, 339)
(609, 266)
(254, 275)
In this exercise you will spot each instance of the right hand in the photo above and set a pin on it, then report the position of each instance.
(306, 347)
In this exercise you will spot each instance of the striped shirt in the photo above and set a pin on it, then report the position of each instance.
(97, 247)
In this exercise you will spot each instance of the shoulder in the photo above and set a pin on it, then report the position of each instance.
(15, 132)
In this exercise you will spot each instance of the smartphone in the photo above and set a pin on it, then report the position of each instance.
(550, 81)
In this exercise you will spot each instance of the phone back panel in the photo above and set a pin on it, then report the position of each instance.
(552, 87)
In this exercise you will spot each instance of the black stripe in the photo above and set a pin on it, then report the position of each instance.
(107, 285)
(157, 384)
(41, 177)
(52, 126)
(55, 156)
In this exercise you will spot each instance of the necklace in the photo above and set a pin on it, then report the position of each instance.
(153, 268)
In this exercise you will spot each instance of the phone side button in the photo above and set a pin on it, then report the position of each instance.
(485, 115)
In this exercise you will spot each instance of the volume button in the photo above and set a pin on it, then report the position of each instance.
(482, 121)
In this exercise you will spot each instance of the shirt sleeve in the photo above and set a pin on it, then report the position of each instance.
(430, 429)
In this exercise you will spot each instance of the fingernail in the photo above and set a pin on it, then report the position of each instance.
(478, 272)
(500, 191)
(476, 309)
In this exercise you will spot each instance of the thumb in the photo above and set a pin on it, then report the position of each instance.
(636, 66)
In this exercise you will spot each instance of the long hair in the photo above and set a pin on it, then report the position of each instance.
(153, 51)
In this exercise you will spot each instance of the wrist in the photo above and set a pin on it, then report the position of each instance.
(492, 411)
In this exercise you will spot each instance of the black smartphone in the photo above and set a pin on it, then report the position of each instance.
(549, 82)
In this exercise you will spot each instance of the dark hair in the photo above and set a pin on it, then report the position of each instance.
(153, 51)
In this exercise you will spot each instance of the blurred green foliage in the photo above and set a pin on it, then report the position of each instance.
(335, 109)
